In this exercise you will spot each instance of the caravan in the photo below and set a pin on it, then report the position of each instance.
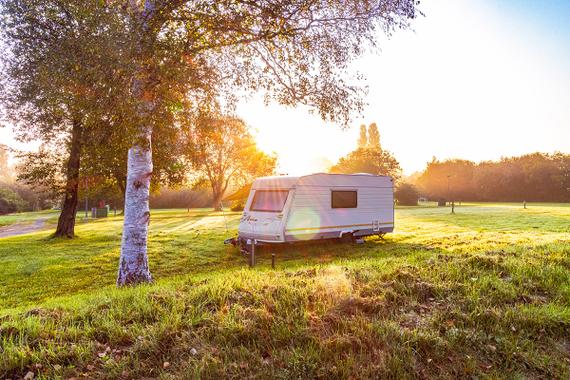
(317, 206)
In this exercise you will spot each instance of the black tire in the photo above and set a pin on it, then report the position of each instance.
(347, 238)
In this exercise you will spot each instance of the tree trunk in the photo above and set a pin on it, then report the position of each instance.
(66, 221)
(217, 195)
(121, 184)
(133, 263)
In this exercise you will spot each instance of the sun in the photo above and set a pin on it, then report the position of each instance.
(303, 143)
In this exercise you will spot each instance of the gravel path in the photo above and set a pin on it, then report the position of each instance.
(21, 229)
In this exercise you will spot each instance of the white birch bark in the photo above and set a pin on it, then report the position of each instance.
(133, 263)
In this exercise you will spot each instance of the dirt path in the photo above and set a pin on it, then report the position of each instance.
(21, 229)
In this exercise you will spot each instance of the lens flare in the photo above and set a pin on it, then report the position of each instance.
(304, 224)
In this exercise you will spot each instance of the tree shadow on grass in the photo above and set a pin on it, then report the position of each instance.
(325, 252)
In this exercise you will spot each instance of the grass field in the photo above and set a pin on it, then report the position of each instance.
(29, 217)
(482, 293)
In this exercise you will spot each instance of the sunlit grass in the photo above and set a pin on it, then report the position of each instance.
(484, 292)
(50, 216)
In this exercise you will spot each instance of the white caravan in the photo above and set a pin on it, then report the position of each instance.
(317, 206)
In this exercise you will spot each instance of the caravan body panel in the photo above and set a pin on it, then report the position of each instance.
(313, 216)
(318, 206)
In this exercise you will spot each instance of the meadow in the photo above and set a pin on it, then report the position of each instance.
(483, 293)
(25, 218)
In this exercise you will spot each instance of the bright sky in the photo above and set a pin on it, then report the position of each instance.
(476, 79)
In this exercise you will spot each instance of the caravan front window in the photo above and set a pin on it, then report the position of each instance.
(269, 200)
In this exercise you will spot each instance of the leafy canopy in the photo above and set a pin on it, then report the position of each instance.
(369, 156)
(223, 152)
(295, 52)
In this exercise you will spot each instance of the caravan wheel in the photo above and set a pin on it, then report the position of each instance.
(347, 238)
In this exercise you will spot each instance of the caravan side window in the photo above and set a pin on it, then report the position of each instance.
(344, 199)
(269, 200)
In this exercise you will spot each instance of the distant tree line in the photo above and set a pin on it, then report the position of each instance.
(536, 177)
(181, 198)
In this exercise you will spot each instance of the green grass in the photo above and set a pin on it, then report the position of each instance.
(482, 293)
(29, 217)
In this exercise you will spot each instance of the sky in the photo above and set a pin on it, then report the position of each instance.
(476, 79)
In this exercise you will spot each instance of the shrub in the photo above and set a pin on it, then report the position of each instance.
(180, 198)
(407, 194)
(10, 201)
(237, 205)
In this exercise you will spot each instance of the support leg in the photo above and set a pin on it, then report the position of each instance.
(252, 255)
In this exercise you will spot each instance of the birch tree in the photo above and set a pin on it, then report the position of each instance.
(296, 52)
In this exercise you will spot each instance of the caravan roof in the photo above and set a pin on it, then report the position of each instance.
(277, 182)
(322, 179)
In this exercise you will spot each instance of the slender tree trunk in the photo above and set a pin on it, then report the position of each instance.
(217, 195)
(133, 263)
(66, 221)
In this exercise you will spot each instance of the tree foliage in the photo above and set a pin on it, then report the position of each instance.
(373, 136)
(10, 201)
(362, 137)
(369, 156)
(105, 156)
(64, 61)
(33, 199)
(532, 177)
(43, 170)
(4, 168)
(368, 160)
(293, 51)
(223, 152)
